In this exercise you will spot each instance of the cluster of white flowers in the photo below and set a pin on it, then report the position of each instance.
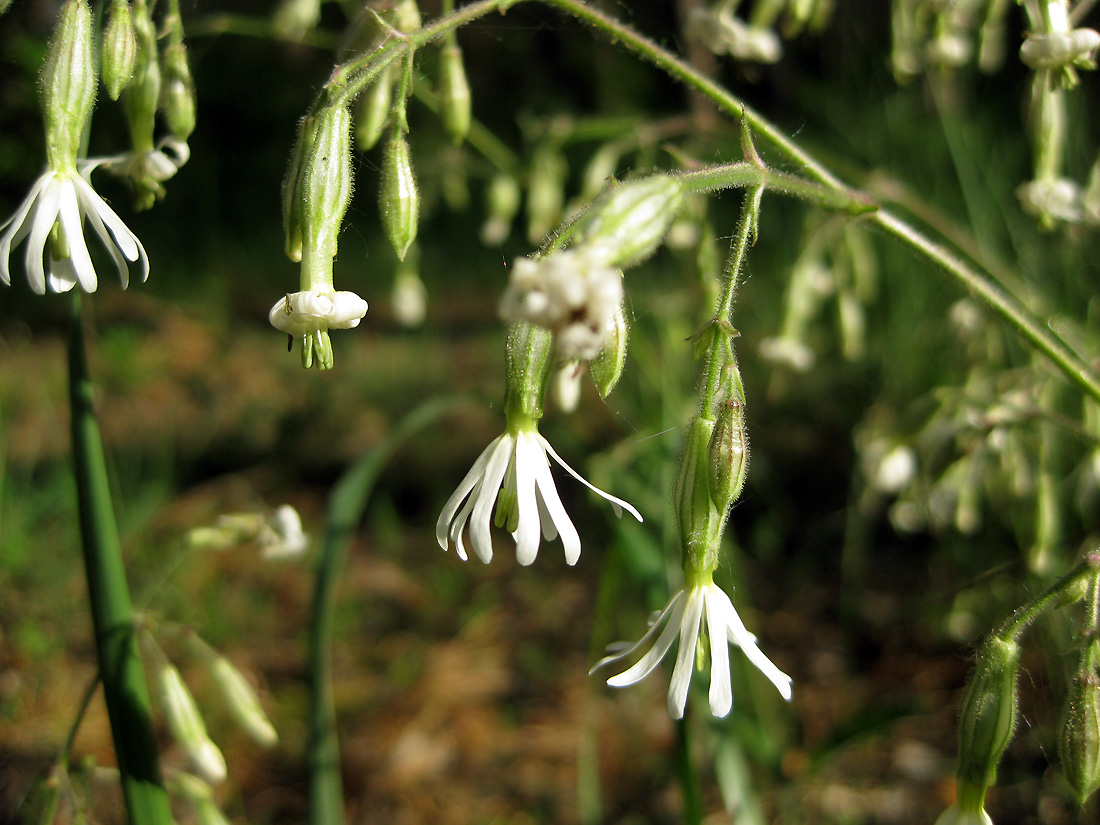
(575, 294)
(724, 33)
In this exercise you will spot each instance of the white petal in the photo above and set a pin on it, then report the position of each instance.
(459, 526)
(63, 275)
(465, 486)
(45, 215)
(571, 542)
(111, 246)
(616, 503)
(485, 497)
(721, 688)
(673, 611)
(72, 222)
(685, 656)
(125, 239)
(17, 226)
(530, 464)
(740, 636)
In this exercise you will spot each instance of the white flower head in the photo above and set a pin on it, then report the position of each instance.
(1052, 199)
(683, 617)
(304, 313)
(574, 294)
(281, 536)
(147, 171)
(513, 476)
(51, 219)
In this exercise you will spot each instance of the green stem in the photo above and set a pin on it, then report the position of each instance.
(120, 668)
(346, 505)
(1053, 596)
(689, 782)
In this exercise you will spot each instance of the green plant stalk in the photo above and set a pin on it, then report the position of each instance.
(689, 781)
(120, 668)
(1067, 587)
(345, 510)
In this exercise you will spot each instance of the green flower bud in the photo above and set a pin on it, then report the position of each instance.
(503, 204)
(119, 48)
(987, 718)
(68, 84)
(294, 19)
(545, 191)
(528, 359)
(399, 200)
(292, 203)
(187, 726)
(142, 94)
(697, 519)
(607, 367)
(373, 109)
(728, 453)
(178, 94)
(1079, 740)
(630, 220)
(454, 93)
(324, 181)
(243, 703)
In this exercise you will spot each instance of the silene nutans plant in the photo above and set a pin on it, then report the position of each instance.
(761, 334)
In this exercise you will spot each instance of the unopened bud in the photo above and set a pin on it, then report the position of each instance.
(373, 109)
(607, 366)
(987, 718)
(243, 703)
(399, 200)
(410, 298)
(187, 726)
(68, 83)
(294, 19)
(454, 93)
(565, 386)
(324, 183)
(729, 455)
(503, 204)
(178, 94)
(1079, 740)
(545, 191)
(198, 794)
(697, 519)
(119, 48)
(630, 220)
(142, 94)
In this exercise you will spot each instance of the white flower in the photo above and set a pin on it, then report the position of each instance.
(1057, 198)
(574, 294)
(146, 171)
(529, 502)
(282, 536)
(683, 617)
(63, 199)
(303, 313)
(955, 816)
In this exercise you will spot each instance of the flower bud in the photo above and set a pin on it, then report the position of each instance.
(178, 94)
(119, 48)
(243, 703)
(68, 83)
(294, 19)
(1079, 740)
(528, 358)
(373, 109)
(630, 220)
(565, 387)
(607, 366)
(399, 201)
(545, 191)
(454, 93)
(728, 453)
(198, 794)
(987, 717)
(187, 726)
(410, 298)
(503, 204)
(697, 519)
(142, 94)
(324, 182)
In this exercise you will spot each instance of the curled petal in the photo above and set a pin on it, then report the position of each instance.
(617, 504)
(685, 656)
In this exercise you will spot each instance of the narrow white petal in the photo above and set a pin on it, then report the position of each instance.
(721, 687)
(624, 650)
(617, 504)
(73, 224)
(685, 656)
(125, 239)
(740, 636)
(486, 497)
(44, 218)
(467, 484)
(459, 527)
(18, 226)
(644, 666)
(63, 275)
(571, 542)
(530, 463)
(549, 531)
(112, 248)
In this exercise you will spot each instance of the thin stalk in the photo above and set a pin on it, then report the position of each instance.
(120, 668)
(346, 505)
(1054, 596)
(689, 782)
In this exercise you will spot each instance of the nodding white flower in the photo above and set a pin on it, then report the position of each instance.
(957, 816)
(146, 171)
(683, 617)
(574, 294)
(281, 535)
(51, 219)
(304, 313)
(513, 474)
(1053, 198)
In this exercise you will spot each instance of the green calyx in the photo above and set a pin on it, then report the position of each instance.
(69, 83)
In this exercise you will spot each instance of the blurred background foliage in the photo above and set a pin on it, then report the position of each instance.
(461, 689)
